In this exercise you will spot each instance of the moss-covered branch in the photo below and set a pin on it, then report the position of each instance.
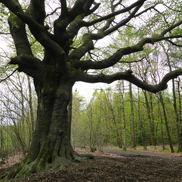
(29, 64)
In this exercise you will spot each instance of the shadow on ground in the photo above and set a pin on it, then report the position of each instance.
(113, 166)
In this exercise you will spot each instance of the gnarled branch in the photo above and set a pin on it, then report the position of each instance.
(85, 65)
(30, 65)
(128, 76)
(111, 15)
(36, 10)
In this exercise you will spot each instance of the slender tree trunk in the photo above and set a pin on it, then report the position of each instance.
(124, 118)
(177, 115)
(175, 105)
(175, 110)
(162, 133)
(150, 119)
(91, 136)
(119, 122)
(132, 116)
(179, 126)
(166, 123)
(141, 123)
(118, 134)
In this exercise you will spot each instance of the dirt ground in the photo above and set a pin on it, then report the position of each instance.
(115, 166)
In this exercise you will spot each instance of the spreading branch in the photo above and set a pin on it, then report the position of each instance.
(177, 45)
(111, 15)
(128, 76)
(30, 65)
(36, 10)
(106, 30)
(89, 64)
(64, 8)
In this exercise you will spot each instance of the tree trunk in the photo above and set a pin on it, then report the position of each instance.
(116, 127)
(50, 147)
(150, 119)
(30, 102)
(162, 133)
(166, 123)
(179, 121)
(70, 114)
(124, 118)
(177, 114)
(132, 117)
(140, 118)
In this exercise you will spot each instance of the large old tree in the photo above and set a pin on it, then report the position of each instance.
(65, 62)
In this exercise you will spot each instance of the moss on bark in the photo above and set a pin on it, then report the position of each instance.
(26, 168)
(50, 147)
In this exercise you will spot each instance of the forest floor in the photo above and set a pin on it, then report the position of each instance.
(113, 165)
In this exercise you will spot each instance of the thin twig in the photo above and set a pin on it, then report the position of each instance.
(9, 75)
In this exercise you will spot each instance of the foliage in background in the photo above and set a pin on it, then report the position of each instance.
(18, 114)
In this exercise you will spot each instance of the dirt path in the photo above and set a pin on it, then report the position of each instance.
(142, 154)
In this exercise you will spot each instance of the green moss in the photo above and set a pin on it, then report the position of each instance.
(51, 80)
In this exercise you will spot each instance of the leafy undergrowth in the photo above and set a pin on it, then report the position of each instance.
(110, 167)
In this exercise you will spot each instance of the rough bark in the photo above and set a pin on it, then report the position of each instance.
(50, 147)
(63, 65)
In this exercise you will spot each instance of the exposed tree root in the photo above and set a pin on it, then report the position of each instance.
(26, 168)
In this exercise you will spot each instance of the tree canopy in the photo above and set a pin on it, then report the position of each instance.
(71, 29)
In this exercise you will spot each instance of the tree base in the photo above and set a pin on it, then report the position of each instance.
(25, 168)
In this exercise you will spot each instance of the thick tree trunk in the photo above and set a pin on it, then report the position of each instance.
(50, 147)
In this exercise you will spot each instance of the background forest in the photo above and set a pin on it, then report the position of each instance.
(127, 116)
(123, 116)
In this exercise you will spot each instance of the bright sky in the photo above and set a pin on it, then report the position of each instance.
(87, 89)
